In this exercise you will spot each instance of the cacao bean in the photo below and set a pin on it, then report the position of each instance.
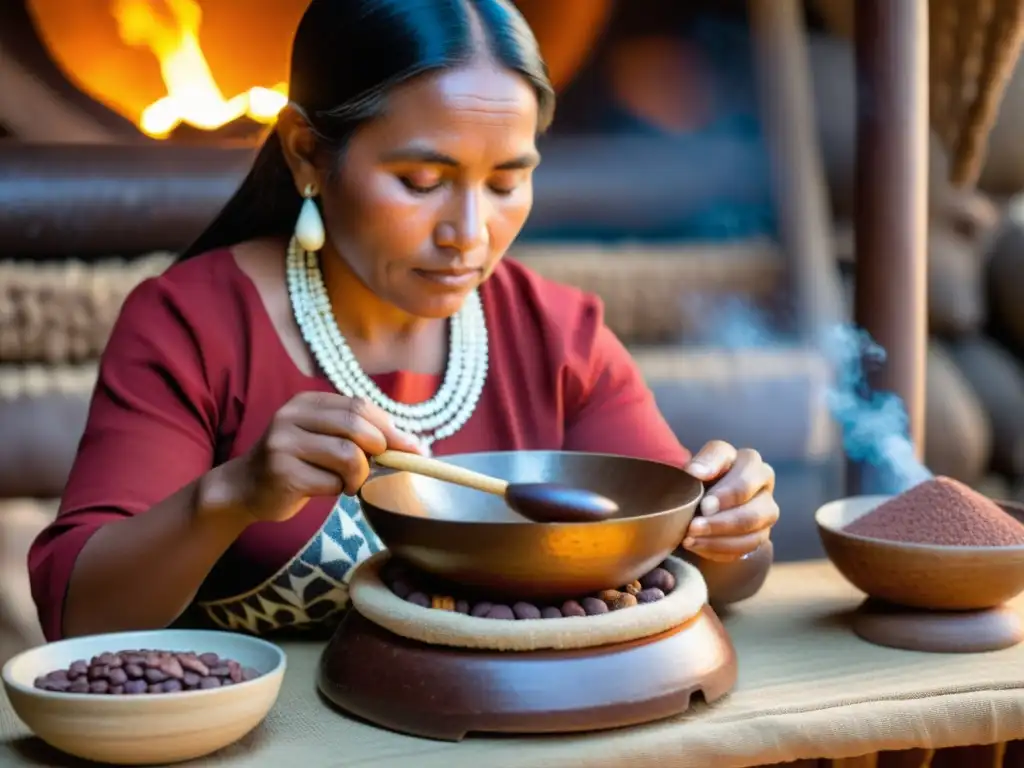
(526, 610)
(146, 671)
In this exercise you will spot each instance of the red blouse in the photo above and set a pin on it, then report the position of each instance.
(194, 371)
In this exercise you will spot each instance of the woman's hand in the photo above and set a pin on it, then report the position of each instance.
(738, 513)
(318, 444)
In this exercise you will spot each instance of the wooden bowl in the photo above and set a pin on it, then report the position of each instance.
(926, 576)
(474, 540)
(145, 729)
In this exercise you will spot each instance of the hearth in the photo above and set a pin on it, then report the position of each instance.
(144, 71)
(156, 79)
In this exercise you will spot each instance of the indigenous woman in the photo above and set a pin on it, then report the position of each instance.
(351, 297)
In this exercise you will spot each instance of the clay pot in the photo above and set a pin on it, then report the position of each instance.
(956, 294)
(997, 379)
(1004, 280)
(966, 211)
(958, 441)
(996, 487)
(956, 284)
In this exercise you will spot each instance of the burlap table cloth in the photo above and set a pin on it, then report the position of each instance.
(807, 689)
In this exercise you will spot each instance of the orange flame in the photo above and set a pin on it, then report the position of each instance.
(170, 29)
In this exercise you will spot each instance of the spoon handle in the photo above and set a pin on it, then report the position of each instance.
(439, 470)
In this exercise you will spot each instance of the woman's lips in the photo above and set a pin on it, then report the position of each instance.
(450, 278)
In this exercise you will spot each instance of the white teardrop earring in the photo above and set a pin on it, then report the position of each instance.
(309, 229)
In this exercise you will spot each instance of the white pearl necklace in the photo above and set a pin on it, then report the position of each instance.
(441, 416)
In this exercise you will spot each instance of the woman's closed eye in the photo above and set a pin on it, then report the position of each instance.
(506, 182)
(424, 184)
(421, 184)
(504, 190)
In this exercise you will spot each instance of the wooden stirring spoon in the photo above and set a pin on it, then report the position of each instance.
(539, 502)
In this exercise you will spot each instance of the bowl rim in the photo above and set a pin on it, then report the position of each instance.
(498, 524)
(955, 551)
(278, 670)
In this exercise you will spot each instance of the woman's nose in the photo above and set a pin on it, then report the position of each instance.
(464, 227)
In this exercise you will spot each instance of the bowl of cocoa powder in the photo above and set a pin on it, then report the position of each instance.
(145, 698)
(939, 545)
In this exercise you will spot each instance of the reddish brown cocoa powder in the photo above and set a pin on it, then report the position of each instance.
(941, 511)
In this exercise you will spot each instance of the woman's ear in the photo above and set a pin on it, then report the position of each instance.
(299, 146)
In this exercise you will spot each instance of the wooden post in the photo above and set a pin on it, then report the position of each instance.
(891, 200)
(798, 176)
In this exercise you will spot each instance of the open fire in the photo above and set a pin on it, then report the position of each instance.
(170, 29)
(178, 70)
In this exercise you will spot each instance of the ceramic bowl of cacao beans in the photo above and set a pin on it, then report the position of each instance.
(145, 698)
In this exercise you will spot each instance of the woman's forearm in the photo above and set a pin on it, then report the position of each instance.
(144, 571)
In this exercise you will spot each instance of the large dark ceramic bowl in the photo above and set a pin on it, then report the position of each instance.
(473, 539)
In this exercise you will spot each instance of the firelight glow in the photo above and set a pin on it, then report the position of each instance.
(170, 29)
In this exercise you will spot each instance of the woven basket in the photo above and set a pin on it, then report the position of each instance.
(58, 313)
(62, 313)
(974, 46)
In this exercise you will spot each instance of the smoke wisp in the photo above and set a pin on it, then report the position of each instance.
(874, 425)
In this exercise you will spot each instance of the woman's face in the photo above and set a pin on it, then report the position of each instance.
(430, 195)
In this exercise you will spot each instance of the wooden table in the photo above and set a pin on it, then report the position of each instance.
(808, 691)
